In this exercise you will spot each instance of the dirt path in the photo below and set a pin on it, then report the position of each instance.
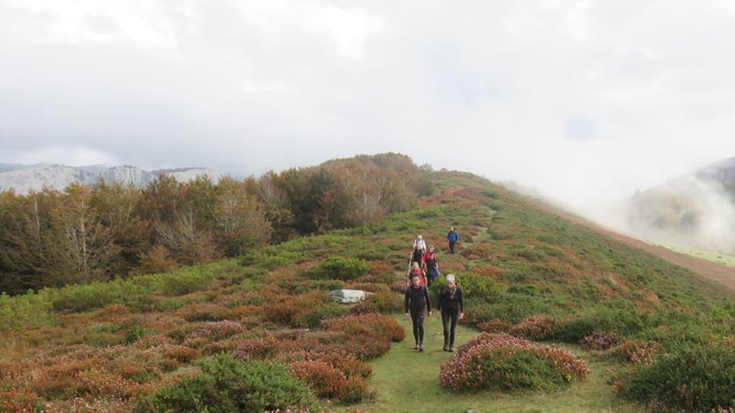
(715, 271)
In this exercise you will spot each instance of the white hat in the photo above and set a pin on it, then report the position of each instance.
(450, 277)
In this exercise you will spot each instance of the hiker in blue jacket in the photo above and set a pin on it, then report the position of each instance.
(417, 304)
(452, 237)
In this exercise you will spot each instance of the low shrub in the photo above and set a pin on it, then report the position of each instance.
(637, 352)
(494, 326)
(506, 363)
(598, 341)
(326, 381)
(227, 385)
(696, 378)
(536, 327)
(342, 268)
(386, 302)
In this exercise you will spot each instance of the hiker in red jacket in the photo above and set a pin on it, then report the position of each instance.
(415, 271)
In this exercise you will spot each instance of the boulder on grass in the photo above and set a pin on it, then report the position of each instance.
(348, 296)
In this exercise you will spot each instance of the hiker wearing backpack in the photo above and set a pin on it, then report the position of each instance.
(418, 250)
(432, 266)
(417, 305)
(451, 308)
(452, 238)
(415, 271)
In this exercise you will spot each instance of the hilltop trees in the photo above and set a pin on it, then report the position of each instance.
(81, 234)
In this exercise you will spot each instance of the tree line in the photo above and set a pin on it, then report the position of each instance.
(82, 234)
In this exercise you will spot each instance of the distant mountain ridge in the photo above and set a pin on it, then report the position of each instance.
(26, 178)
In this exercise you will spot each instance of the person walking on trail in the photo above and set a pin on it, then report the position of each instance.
(432, 266)
(451, 308)
(452, 237)
(419, 248)
(415, 271)
(417, 305)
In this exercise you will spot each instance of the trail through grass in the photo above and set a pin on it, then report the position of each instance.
(408, 382)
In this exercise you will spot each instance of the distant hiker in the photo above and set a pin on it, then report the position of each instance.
(417, 305)
(415, 271)
(432, 266)
(452, 237)
(419, 248)
(451, 307)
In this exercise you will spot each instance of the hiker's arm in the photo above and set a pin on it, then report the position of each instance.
(428, 300)
(461, 301)
(408, 298)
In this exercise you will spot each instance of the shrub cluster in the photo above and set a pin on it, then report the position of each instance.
(692, 378)
(342, 268)
(228, 385)
(637, 351)
(598, 341)
(536, 328)
(506, 363)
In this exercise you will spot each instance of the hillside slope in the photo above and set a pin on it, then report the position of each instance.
(106, 345)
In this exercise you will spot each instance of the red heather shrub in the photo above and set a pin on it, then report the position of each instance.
(326, 380)
(257, 348)
(181, 354)
(217, 330)
(598, 341)
(536, 327)
(382, 327)
(495, 326)
(504, 362)
(638, 352)
(365, 307)
(19, 402)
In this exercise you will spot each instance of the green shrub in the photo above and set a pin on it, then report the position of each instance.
(230, 385)
(698, 378)
(186, 281)
(342, 268)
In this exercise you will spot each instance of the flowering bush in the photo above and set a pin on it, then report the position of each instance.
(379, 326)
(598, 341)
(326, 380)
(536, 327)
(506, 363)
(637, 352)
(494, 326)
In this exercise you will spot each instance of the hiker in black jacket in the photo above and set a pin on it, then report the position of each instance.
(417, 304)
(451, 307)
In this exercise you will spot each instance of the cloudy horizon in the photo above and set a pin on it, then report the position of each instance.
(587, 101)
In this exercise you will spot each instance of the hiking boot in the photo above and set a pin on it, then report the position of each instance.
(416, 347)
(451, 349)
(421, 347)
(446, 347)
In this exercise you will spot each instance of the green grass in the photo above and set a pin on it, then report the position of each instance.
(408, 382)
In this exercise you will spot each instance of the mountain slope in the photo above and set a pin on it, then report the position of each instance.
(514, 260)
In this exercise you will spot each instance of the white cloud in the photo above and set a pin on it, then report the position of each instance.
(587, 100)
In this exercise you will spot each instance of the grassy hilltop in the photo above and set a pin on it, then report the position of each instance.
(145, 343)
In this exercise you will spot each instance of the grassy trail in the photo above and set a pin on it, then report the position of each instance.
(408, 382)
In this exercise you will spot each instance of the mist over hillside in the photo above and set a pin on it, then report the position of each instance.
(696, 209)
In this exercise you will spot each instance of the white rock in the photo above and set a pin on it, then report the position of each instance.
(348, 296)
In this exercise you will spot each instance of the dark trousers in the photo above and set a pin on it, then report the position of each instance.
(418, 326)
(449, 315)
(451, 246)
(417, 256)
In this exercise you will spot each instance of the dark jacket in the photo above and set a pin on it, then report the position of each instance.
(450, 302)
(417, 299)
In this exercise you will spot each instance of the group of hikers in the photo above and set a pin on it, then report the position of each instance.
(423, 270)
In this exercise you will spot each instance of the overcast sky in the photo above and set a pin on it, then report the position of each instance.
(585, 100)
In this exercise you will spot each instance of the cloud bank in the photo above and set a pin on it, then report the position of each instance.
(586, 100)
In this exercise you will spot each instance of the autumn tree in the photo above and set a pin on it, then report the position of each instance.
(241, 221)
